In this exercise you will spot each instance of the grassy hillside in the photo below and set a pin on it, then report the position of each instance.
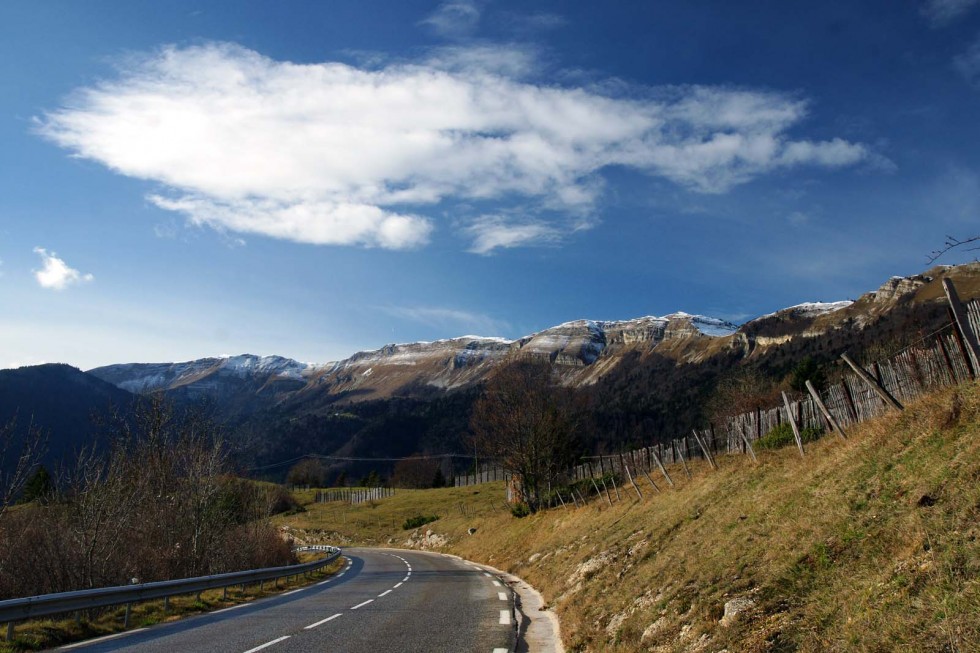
(866, 545)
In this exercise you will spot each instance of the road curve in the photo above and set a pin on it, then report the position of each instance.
(385, 601)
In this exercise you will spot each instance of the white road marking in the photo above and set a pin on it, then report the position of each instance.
(293, 592)
(234, 607)
(405, 580)
(487, 575)
(397, 586)
(504, 618)
(267, 644)
(384, 593)
(322, 621)
(502, 596)
(497, 583)
(99, 639)
(499, 650)
(361, 605)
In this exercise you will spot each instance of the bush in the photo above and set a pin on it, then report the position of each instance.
(520, 510)
(782, 435)
(418, 520)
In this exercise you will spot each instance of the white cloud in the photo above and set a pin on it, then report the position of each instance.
(55, 273)
(335, 154)
(942, 12)
(968, 63)
(490, 232)
(454, 18)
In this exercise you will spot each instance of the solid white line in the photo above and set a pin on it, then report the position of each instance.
(267, 644)
(321, 622)
(234, 607)
(504, 618)
(99, 639)
(502, 596)
(384, 593)
(497, 583)
(361, 605)
(293, 592)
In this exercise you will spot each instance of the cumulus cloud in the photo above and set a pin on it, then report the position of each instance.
(55, 273)
(337, 154)
(943, 12)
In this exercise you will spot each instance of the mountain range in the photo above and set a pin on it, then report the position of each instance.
(643, 378)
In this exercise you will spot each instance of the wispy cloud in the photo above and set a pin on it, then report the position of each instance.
(968, 63)
(340, 155)
(55, 274)
(491, 232)
(943, 12)
(454, 18)
(451, 320)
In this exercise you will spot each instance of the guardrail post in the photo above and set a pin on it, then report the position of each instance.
(166, 604)
(126, 618)
(10, 631)
(224, 593)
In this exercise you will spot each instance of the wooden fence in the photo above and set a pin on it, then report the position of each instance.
(947, 357)
(354, 495)
(487, 474)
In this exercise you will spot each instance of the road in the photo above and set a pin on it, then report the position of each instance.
(385, 601)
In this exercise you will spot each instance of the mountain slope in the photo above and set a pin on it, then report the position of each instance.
(63, 402)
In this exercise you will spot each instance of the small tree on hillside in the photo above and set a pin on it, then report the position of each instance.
(523, 421)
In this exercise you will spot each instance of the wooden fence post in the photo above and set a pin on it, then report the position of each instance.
(834, 426)
(663, 470)
(963, 324)
(748, 445)
(647, 474)
(677, 450)
(871, 381)
(792, 423)
(707, 454)
(638, 495)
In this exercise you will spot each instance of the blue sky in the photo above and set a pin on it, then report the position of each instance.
(189, 179)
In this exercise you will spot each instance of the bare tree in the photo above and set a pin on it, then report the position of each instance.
(27, 450)
(952, 242)
(524, 422)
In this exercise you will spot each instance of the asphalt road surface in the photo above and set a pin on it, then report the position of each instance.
(385, 601)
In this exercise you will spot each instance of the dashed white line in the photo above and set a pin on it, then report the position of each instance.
(322, 621)
(361, 605)
(397, 586)
(384, 593)
(499, 650)
(505, 617)
(487, 575)
(497, 583)
(405, 580)
(267, 644)
(502, 596)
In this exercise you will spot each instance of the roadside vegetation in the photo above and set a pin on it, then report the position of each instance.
(865, 545)
(158, 502)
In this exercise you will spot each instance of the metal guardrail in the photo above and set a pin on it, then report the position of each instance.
(32, 607)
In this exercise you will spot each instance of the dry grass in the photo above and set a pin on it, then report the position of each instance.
(47, 633)
(866, 545)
